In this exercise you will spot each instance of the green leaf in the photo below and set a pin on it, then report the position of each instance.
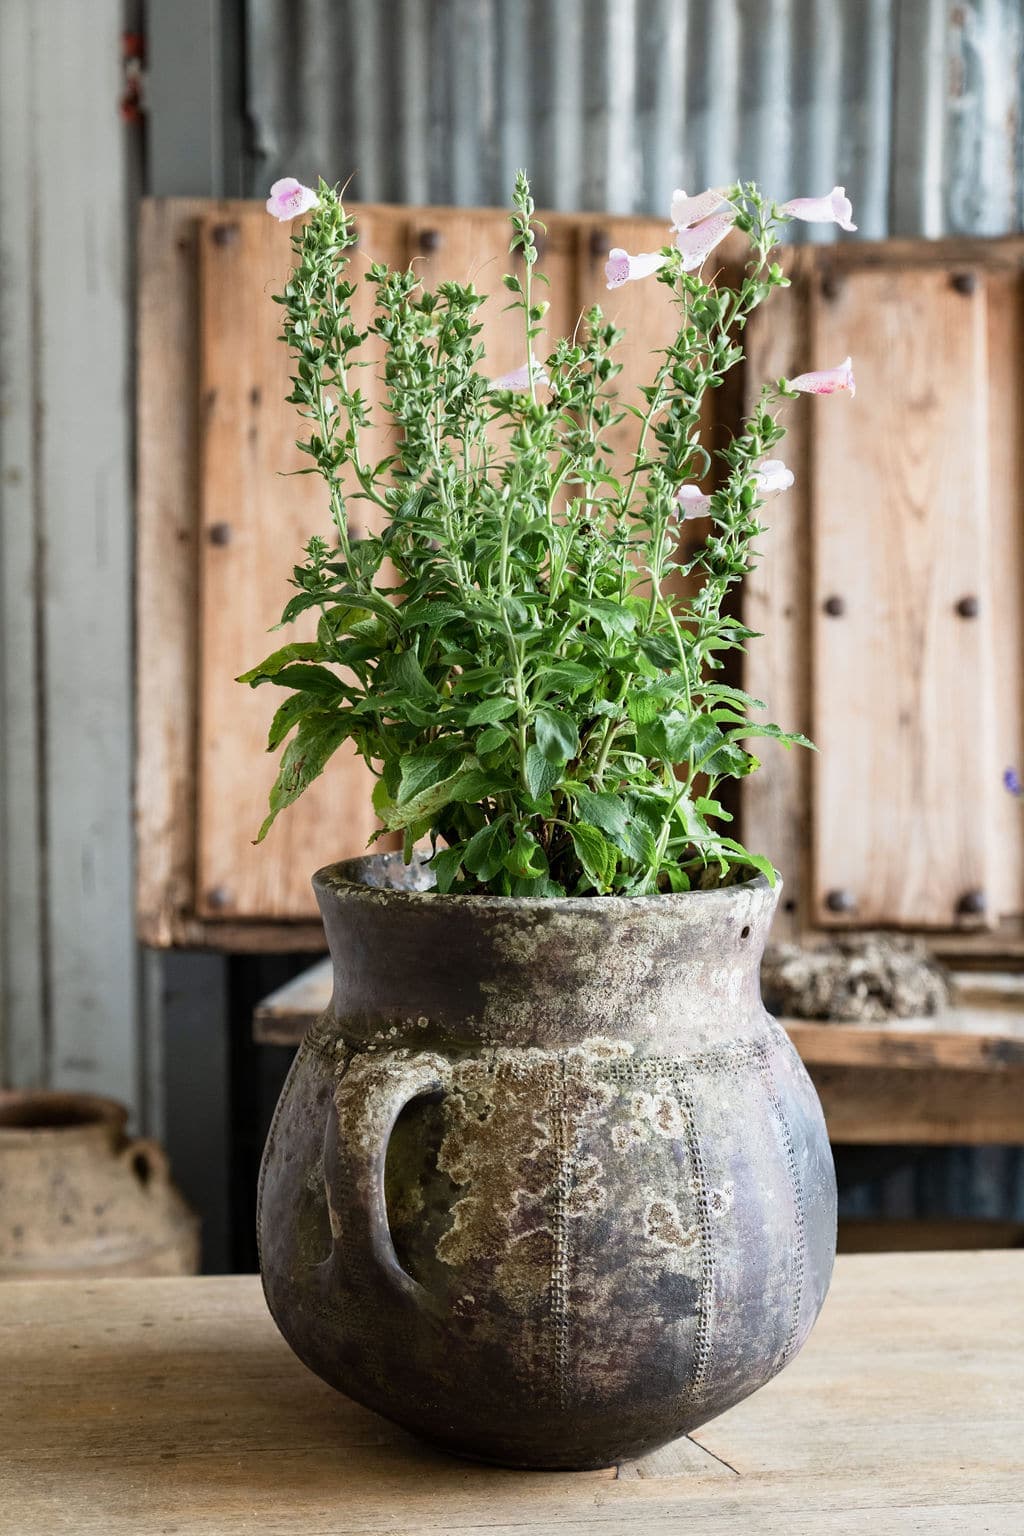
(604, 810)
(595, 853)
(407, 674)
(299, 650)
(484, 854)
(425, 805)
(541, 773)
(490, 740)
(421, 770)
(288, 716)
(556, 734)
(446, 865)
(489, 711)
(309, 679)
(318, 737)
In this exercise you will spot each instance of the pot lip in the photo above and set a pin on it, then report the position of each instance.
(90, 1114)
(341, 879)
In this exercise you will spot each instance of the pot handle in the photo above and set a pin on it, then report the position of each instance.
(147, 1160)
(368, 1098)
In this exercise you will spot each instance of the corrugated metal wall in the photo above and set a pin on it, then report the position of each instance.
(913, 104)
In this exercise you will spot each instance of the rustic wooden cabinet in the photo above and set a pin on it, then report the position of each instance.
(890, 588)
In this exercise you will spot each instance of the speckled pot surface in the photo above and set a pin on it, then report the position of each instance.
(80, 1198)
(546, 1184)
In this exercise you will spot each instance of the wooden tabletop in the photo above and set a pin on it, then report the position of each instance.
(137, 1407)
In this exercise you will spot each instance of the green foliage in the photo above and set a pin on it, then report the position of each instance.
(508, 655)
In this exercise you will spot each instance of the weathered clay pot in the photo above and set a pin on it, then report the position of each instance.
(546, 1184)
(79, 1198)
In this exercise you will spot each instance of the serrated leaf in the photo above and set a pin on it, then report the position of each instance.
(557, 736)
(445, 866)
(595, 853)
(490, 711)
(299, 650)
(484, 854)
(541, 773)
(318, 737)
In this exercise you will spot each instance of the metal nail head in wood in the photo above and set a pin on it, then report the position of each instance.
(834, 606)
(840, 901)
(968, 607)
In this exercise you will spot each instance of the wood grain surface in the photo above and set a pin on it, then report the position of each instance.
(131, 1408)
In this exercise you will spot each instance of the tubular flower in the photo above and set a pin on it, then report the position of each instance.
(698, 240)
(826, 381)
(288, 198)
(519, 378)
(621, 267)
(835, 208)
(772, 475)
(687, 210)
(692, 502)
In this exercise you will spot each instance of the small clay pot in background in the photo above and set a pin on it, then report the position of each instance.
(79, 1198)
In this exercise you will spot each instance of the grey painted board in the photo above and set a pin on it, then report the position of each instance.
(23, 1044)
(67, 599)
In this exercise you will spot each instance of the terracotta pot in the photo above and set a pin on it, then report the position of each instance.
(78, 1198)
(546, 1184)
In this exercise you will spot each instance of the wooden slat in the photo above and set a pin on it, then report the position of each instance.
(185, 1409)
(263, 518)
(901, 711)
(166, 591)
(877, 1106)
(1005, 451)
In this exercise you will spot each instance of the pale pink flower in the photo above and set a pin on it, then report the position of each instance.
(826, 381)
(698, 241)
(288, 198)
(621, 267)
(519, 378)
(690, 210)
(772, 475)
(836, 208)
(692, 501)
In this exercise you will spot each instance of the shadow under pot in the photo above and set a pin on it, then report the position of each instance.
(80, 1199)
(546, 1184)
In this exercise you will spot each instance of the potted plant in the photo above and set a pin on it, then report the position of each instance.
(546, 1183)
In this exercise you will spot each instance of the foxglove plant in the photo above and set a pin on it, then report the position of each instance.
(510, 655)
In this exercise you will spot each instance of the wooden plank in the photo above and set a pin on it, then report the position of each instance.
(775, 802)
(254, 522)
(207, 1417)
(23, 1021)
(167, 514)
(902, 787)
(928, 1106)
(284, 1015)
(1005, 452)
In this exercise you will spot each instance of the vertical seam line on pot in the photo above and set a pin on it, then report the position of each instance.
(560, 1234)
(702, 1350)
(799, 1222)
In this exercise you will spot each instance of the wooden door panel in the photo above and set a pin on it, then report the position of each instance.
(901, 601)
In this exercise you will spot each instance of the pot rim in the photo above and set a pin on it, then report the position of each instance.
(342, 879)
(92, 1113)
